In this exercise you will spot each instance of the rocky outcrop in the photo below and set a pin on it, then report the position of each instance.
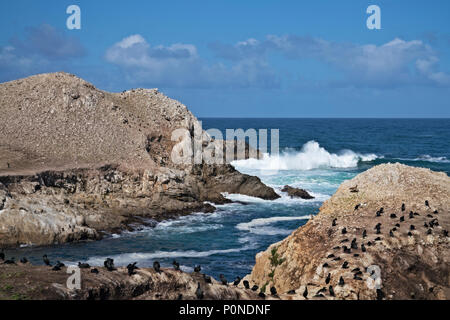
(297, 192)
(27, 282)
(367, 244)
(76, 161)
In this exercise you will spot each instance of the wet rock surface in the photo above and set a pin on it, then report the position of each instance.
(297, 192)
(389, 240)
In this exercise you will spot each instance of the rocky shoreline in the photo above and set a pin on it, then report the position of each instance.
(77, 162)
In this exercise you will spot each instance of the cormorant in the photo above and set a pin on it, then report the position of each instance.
(254, 288)
(109, 264)
(357, 206)
(325, 265)
(291, 291)
(391, 234)
(354, 245)
(199, 292)
(427, 204)
(305, 292)
(10, 261)
(403, 207)
(409, 234)
(207, 278)
(344, 230)
(59, 264)
(435, 212)
(236, 281)
(223, 279)
(356, 270)
(333, 224)
(95, 270)
(273, 291)
(157, 266)
(330, 256)
(197, 268)
(46, 260)
(363, 248)
(24, 260)
(380, 294)
(425, 225)
(246, 284)
(327, 280)
(341, 281)
(131, 267)
(393, 216)
(83, 265)
(402, 218)
(330, 288)
(445, 232)
(336, 259)
(176, 265)
(345, 265)
(364, 233)
(261, 294)
(2, 255)
(429, 231)
(411, 227)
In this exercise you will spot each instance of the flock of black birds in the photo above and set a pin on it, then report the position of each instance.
(357, 272)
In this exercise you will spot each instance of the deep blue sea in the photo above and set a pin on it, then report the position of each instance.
(316, 154)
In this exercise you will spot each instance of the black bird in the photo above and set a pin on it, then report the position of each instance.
(344, 240)
(429, 231)
(344, 230)
(56, 268)
(402, 218)
(425, 225)
(381, 210)
(321, 290)
(393, 216)
(327, 280)
(356, 270)
(255, 287)
(131, 267)
(380, 294)
(197, 268)
(180, 296)
(354, 245)
(109, 264)
(273, 291)
(24, 260)
(176, 265)
(305, 292)
(199, 292)
(337, 248)
(337, 259)
(391, 234)
(236, 281)
(435, 212)
(291, 291)
(157, 266)
(356, 254)
(403, 207)
(369, 243)
(2, 255)
(356, 277)
(330, 256)
(347, 250)
(341, 281)
(394, 229)
(397, 225)
(409, 234)
(411, 227)
(357, 206)
(411, 214)
(223, 279)
(377, 239)
(246, 284)
(427, 204)
(10, 261)
(59, 264)
(364, 233)
(330, 288)
(83, 265)
(333, 224)
(378, 214)
(345, 265)
(445, 232)
(416, 214)
(429, 216)
(46, 260)
(325, 265)
(378, 228)
(95, 270)
(208, 279)
(261, 294)
(363, 248)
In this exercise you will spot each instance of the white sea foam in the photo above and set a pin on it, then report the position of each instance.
(259, 226)
(311, 156)
(429, 158)
(125, 258)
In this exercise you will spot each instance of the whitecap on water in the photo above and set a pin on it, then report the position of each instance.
(259, 225)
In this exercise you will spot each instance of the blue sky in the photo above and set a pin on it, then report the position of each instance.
(245, 58)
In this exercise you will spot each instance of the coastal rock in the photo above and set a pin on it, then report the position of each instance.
(297, 192)
(77, 162)
(408, 258)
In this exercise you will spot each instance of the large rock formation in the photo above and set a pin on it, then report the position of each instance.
(410, 253)
(76, 161)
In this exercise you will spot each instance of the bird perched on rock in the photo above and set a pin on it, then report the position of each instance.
(435, 212)
(236, 281)
(83, 265)
(2, 255)
(305, 292)
(445, 233)
(356, 270)
(427, 204)
(357, 206)
(363, 248)
(197, 268)
(330, 256)
(402, 218)
(391, 234)
(341, 281)
(59, 264)
(354, 245)
(10, 261)
(335, 259)
(377, 239)
(291, 291)
(347, 250)
(410, 234)
(255, 287)
(380, 294)
(56, 268)
(393, 216)
(199, 292)
(176, 265)
(325, 265)
(109, 264)
(330, 289)
(429, 231)
(246, 284)
(24, 260)
(131, 267)
(411, 215)
(207, 278)
(273, 291)
(46, 260)
(333, 224)
(345, 265)
(223, 279)
(344, 230)
(94, 270)
(261, 294)
(412, 227)
(364, 233)
(327, 280)
(354, 189)
(403, 207)
(378, 228)
(157, 266)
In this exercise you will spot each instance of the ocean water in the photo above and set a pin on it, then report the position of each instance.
(316, 154)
